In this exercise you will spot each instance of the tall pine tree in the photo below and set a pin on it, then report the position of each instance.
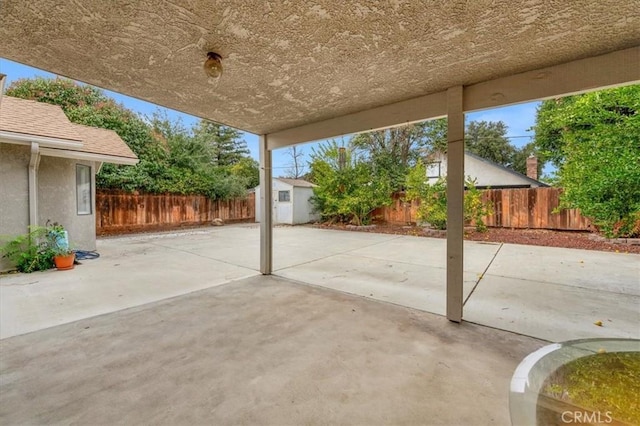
(227, 145)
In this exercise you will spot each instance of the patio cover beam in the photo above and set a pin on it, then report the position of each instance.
(266, 208)
(612, 69)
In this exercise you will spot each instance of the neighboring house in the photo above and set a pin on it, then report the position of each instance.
(291, 201)
(486, 173)
(48, 167)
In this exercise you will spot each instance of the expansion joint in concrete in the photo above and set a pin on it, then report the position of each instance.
(483, 274)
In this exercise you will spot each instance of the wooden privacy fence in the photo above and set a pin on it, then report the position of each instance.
(532, 208)
(118, 212)
(513, 208)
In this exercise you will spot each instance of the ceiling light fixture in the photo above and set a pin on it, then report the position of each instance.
(213, 65)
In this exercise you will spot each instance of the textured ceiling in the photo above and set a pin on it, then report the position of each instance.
(289, 63)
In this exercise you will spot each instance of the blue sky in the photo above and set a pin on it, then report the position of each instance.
(518, 118)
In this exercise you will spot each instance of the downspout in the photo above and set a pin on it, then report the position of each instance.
(34, 163)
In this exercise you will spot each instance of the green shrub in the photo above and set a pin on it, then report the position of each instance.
(595, 140)
(433, 200)
(347, 192)
(33, 251)
(474, 208)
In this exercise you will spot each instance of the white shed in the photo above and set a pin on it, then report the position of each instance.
(291, 201)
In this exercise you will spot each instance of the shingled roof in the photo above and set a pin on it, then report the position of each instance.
(21, 117)
(36, 118)
(300, 183)
(103, 141)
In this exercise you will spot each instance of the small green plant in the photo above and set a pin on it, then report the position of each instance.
(433, 204)
(474, 208)
(433, 200)
(30, 252)
(35, 250)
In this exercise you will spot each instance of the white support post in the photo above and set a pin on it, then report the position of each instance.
(266, 208)
(455, 203)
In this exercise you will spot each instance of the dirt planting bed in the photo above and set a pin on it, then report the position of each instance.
(536, 237)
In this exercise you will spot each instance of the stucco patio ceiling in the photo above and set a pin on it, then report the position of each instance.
(291, 63)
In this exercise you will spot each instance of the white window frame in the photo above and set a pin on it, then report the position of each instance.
(288, 200)
(84, 190)
(431, 167)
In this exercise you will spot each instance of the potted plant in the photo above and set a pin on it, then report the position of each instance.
(64, 258)
(40, 249)
(57, 236)
(58, 240)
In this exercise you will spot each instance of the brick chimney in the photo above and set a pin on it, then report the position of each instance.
(532, 167)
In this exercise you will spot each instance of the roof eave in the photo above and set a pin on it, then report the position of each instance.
(23, 138)
(506, 169)
(88, 156)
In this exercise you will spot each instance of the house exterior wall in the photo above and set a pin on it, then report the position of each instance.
(485, 173)
(57, 200)
(14, 192)
(302, 208)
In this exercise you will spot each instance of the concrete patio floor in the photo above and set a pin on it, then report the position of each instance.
(262, 350)
(182, 329)
(548, 293)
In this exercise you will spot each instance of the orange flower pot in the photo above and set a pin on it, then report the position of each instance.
(64, 262)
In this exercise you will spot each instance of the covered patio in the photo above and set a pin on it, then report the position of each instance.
(304, 71)
(264, 349)
(181, 328)
(261, 351)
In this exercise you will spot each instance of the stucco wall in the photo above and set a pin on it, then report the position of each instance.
(57, 200)
(486, 174)
(14, 192)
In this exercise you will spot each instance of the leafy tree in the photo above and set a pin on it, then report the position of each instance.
(347, 192)
(488, 140)
(172, 159)
(435, 136)
(520, 155)
(597, 139)
(59, 91)
(90, 106)
(548, 129)
(183, 151)
(397, 149)
(247, 169)
(226, 143)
